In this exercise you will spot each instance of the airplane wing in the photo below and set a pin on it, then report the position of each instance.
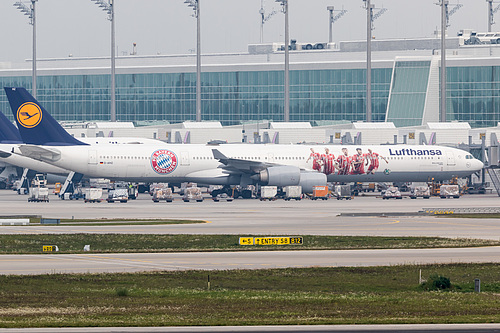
(40, 153)
(233, 165)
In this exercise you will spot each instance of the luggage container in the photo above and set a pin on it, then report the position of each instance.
(320, 192)
(163, 194)
(343, 192)
(268, 193)
(449, 191)
(38, 194)
(293, 192)
(192, 193)
(93, 195)
(392, 192)
(420, 192)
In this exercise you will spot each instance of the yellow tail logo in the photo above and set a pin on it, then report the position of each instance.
(29, 115)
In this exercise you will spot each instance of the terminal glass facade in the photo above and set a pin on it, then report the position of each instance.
(473, 95)
(228, 97)
(408, 93)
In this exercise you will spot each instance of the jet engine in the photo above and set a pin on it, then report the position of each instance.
(291, 176)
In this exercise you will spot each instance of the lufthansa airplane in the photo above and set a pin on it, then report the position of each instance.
(231, 164)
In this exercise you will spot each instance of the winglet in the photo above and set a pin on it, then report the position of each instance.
(35, 124)
(8, 132)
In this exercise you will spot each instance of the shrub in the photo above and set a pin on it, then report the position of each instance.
(122, 292)
(437, 282)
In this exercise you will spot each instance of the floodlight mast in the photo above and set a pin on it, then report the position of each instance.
(491, 13)
(196, 8)
(264, 19)
(444, 21)
(109, 8)
(31, 13)
(286, 111)
(369, 21)
(333, 19)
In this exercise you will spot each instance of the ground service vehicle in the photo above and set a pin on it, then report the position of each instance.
(222, 197)
(119, 194)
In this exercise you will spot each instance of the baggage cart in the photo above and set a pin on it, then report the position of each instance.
(38, 194)
(343, 192)
(293, 192)
(449, 191)
(120, 194)
(192, 193)
(420, 192)
(93, 195)
(392, 192)
(163, 194)
(320, 192)
(268, 193)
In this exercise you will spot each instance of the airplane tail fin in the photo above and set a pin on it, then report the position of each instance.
(35, 124)
(8, 132)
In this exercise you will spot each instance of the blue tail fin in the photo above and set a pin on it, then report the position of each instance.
(8, 132)
(35, 124)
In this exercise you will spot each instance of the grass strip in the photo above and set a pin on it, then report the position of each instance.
(306, 296)
(129, 243)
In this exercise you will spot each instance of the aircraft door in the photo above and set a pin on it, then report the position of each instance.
(92, 156)
(270, 158)
(450, 158)
(184, 158)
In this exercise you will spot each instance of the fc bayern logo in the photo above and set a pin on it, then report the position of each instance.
(163, 161)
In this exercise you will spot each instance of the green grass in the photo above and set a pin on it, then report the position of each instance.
(106, 243)
(374, 295)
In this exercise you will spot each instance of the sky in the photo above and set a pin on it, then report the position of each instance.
(80, 28)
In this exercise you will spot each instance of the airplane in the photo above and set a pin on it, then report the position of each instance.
(233, 164)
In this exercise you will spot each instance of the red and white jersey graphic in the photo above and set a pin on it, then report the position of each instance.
(358, 162)
(344, 164)
(373, 159)
(329, 163)
(316, 158)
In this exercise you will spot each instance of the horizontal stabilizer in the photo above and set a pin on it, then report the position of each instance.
(40, 153)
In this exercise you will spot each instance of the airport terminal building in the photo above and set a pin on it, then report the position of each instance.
(327, 86)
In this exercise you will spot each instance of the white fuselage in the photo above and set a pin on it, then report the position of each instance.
(162, 162)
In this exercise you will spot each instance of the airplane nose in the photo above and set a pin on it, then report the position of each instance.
(479, 165)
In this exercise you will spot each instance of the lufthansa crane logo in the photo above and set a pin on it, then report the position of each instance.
(163, 161)
(29, 115)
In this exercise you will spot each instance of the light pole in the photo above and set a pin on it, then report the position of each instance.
(263, 19)
(330, 35)
(108, 7)
(196, 8)
(444, 16)
(31, 13)
(286, 111)
(369, 19)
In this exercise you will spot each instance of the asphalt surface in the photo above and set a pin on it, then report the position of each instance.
(304, 217)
